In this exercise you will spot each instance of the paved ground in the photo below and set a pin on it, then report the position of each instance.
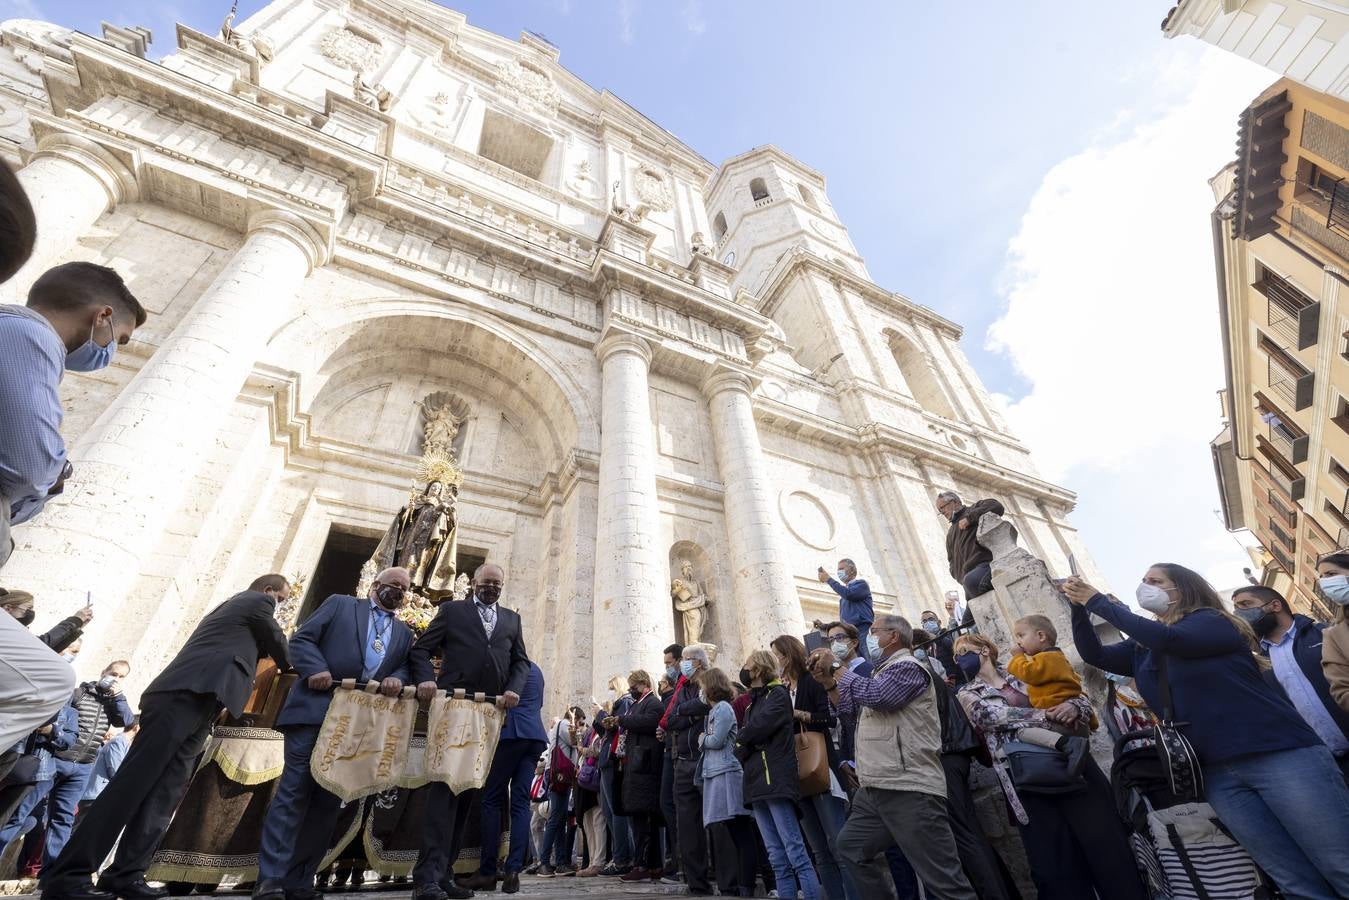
(553, 888)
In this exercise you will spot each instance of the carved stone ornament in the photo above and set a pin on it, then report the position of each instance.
(528, 87)
(653, 190)
(350, 50)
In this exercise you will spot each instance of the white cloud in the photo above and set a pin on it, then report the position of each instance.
(1112, 315)
(694, 20)
(627, 11)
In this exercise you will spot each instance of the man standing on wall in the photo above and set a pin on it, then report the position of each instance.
(971, 562)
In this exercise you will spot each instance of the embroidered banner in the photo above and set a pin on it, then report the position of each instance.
(461, 738)
(362, 747)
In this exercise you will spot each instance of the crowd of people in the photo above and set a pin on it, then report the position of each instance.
(836, 764)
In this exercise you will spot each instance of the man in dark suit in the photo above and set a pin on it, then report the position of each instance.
(523, 740)
(344, 638)
(482, 649)
(214, 670)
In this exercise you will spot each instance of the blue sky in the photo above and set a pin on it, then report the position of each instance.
(1033, 168)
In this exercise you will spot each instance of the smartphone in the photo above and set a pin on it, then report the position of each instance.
(1072, 566)
(89, 599)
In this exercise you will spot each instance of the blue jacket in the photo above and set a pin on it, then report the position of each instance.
(1307, 651)
(854, 601)
(65, 732)
(1222, 703)
(333, 640)
(525, 721)
(719, 741)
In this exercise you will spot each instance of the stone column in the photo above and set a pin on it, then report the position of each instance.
(133, 468)
(71, 182)
(767, 603)
(633, 618)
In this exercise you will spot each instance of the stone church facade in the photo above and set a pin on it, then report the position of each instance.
(340, 208)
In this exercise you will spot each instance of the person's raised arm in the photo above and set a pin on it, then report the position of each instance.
(267, 633)
(1117, 658)
(1196, 635)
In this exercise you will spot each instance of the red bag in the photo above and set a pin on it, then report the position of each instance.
(561, 770)
(538, 788)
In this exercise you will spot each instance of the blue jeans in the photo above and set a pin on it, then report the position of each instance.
(300, 820)
(786, 850)
(14, 827)
(62, 804)
(822, 818)
(978, 581)
(620, 853)
(513, 766)
(1290, 810)
(555, 844)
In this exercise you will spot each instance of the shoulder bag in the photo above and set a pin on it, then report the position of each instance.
(812, 761)
(1183, 771)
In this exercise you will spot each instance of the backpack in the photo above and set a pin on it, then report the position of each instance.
(561, 770)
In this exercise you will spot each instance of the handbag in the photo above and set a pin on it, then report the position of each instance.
(1040, 770)
(812, 761)
(538, 788)
(561, 770)
(1183, 772)
(588, 777)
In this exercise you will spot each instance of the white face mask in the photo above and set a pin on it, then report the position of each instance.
(873, 645)
(1336, 588)
(1152, 598)
(839, 649)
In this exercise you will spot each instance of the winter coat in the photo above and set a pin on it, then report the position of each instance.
(645, 760)
(766, 749)
(962, 549)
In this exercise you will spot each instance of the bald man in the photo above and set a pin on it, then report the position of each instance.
(347, 637)
(482, 648)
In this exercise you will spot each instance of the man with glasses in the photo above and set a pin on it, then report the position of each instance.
(854, 601)
(971, 561)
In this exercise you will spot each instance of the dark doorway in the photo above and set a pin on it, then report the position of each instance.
(339, 568)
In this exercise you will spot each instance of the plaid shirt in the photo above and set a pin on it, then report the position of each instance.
(888, 689)
(32, 454)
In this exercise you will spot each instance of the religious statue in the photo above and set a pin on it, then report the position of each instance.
(374, 96)
(255, 44)
(422, 539)
(700, 245)
(440, 430)
(633, 214)
(690, 602)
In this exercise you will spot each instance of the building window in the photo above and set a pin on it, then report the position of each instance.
(807, 197)
(1321, 182)
(719, 227)
(758, 190)
(1341, 417)
(920, 375)
(1339, 471)
(514, 144)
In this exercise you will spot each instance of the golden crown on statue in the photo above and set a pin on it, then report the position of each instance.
(441, 467)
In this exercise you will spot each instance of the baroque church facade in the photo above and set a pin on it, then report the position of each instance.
(338, 211)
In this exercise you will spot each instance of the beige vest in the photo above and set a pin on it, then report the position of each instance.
(901, 750)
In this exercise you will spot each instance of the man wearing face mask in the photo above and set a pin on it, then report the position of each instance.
(1293, 645)
(942, 647)
(346, 637)
(854, 601)
(971, 562)
(77, 315)
(481, 646)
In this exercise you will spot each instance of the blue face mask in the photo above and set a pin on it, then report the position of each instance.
(920, 655)
(671, 672)
(92, 356)
(686, 667)
(931, 627)
(842, 575)
(1336, 589)
(873, 645)
(969, 663)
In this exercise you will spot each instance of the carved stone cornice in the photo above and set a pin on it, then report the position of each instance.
(618, 342)
(316, 248)
(116, 178)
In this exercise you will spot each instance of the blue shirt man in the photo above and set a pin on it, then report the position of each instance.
(854, 601)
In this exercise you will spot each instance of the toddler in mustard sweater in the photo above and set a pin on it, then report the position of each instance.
(1050, 680)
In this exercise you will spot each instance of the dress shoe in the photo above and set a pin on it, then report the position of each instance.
(304, 894)
(636, 873)
(511, 883)
(269, 889)
(80, 892)
(480, 881)
(428, 892)
(134, 890)
(546, 872)
(456, 891)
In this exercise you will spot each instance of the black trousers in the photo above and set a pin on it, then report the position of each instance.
(442, 832)
(690, 835)
(736, 855)
(667, 809)
(140, 799)
(1076, 844)
(646, 841)
(982, 865)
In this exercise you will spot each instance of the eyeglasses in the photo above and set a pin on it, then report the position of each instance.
(841, 636)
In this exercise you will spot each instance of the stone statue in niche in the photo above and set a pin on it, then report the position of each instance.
(440, 430)
(632, 214)
(690, 602)
(374, 96)
(700, 246)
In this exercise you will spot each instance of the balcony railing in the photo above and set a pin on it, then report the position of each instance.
(1285, 434)
(1282, 558)
(1292, 316)
(1338, 218)
(1342, 539)
(1281, 509)
(1288, 378)
(1284, 475)
(1282, 536)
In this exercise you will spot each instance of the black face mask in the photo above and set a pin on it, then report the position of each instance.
(487, 594)
(1261, 622)
(27, 618)
(744, 677)
(636, 693)
(390, 596)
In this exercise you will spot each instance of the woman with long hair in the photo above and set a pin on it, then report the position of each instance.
(1333, 570)
(1267, 775)
(767, 754)
(822, 814)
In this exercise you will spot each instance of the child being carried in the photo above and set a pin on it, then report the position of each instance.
(1050, 680)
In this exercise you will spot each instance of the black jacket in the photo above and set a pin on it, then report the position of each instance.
(686, 722)
(958, 736)
(468, 659)
(221, 657)
(765, 747)
(1307, 651)
(962, 549)
(645, 761)
(63, 633)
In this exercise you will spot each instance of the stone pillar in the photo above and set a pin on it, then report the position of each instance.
(133, 468)
(767, 603)
(633, 617)
(71, 182)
